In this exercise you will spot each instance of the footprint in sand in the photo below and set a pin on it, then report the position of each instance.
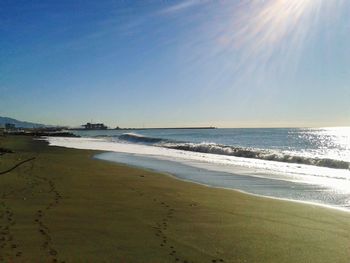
(217, 260)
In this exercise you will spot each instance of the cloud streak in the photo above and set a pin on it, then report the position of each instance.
(181, 6)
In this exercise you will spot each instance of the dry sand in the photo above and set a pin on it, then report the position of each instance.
(64, 206)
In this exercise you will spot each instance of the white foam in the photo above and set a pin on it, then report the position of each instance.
(336, 179)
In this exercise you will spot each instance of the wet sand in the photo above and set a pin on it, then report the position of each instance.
(64, 206)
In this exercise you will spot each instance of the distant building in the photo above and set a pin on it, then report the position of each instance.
(10, 126)
(94, 126)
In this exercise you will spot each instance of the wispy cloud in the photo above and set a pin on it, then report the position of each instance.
(181, 6)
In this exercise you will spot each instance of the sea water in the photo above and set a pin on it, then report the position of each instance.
(310, 165)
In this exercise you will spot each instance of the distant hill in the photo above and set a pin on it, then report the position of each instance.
(21, 124)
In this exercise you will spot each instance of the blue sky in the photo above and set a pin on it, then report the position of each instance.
(176, 63)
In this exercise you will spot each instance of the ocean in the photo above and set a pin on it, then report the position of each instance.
(301, 164)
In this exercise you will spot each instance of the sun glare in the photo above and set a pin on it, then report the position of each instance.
(267, 23)
(264, 36)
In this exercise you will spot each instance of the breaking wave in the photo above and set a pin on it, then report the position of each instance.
(136, 138)
(213, 148)
(256, 154)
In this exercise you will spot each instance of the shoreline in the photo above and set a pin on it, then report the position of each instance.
(319, 202)
(232, 180)
(308, 203)
(106, 212)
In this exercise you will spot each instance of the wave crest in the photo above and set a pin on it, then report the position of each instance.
(213, 148)
(136, 138)
(256, 154)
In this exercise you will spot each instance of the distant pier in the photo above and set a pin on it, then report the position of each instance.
(175, 128)
(100, 126)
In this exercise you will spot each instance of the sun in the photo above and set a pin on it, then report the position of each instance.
(272, 21)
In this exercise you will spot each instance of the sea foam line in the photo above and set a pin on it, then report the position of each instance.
(200, 160)
(255, 153)
(334, 178)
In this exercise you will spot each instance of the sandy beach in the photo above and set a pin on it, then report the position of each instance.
(61, 205)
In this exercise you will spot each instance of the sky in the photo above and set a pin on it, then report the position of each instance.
(153, 63)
